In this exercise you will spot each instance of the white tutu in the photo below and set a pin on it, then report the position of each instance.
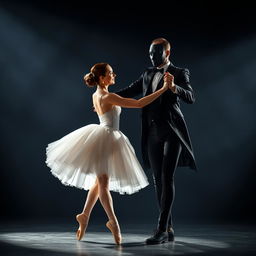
(77, 158)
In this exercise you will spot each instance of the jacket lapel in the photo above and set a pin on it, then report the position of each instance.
(160, 83)
(148, 81)
(171, 69)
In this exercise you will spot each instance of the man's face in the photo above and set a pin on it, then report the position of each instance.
(157, 54)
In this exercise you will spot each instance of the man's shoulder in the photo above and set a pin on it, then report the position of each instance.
(178, 69)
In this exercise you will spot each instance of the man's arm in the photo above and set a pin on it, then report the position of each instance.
(184, 89)
(133, 89)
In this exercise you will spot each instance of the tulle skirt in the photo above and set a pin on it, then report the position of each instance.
(79, 157)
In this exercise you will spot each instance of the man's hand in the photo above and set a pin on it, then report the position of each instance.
(169, 79)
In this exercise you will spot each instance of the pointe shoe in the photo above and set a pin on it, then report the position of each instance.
(114, 228)
(82, 219)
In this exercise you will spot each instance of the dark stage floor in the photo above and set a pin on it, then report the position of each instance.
(44, 238)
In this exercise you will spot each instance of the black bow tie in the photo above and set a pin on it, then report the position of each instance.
(161, 70)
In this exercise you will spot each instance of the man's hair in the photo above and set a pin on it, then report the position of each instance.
(163, 41)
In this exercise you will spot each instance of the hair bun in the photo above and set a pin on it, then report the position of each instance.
(90, 79)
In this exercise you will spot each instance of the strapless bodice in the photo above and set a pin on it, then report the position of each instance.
(111, 118)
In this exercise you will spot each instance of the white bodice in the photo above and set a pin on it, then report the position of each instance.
(111, 118)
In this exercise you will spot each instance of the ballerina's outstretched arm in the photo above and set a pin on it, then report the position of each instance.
(114, 99)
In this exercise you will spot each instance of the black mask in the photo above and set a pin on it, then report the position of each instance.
(157, 54)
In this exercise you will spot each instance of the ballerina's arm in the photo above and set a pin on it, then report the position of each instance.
(115, 99)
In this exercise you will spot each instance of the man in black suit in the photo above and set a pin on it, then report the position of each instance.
(165, 140)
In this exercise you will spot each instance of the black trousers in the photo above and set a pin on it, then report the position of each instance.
(164, 149)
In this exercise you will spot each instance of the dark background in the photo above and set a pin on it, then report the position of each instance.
(47, 47)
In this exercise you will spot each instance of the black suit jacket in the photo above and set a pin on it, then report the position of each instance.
(167, 107)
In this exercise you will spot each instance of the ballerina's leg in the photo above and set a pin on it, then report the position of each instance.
(107, 203)
(83, 218)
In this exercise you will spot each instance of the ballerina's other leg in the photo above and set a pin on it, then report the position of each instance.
(83, 217)
(107, 203)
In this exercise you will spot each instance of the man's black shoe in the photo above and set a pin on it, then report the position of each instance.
(159, 237)
(170, 232)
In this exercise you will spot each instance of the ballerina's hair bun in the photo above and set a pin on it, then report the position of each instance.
(90, 79)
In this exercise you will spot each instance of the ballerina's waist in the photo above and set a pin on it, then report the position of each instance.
(109, 126)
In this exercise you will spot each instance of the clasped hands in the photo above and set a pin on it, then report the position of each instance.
(169, 79)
